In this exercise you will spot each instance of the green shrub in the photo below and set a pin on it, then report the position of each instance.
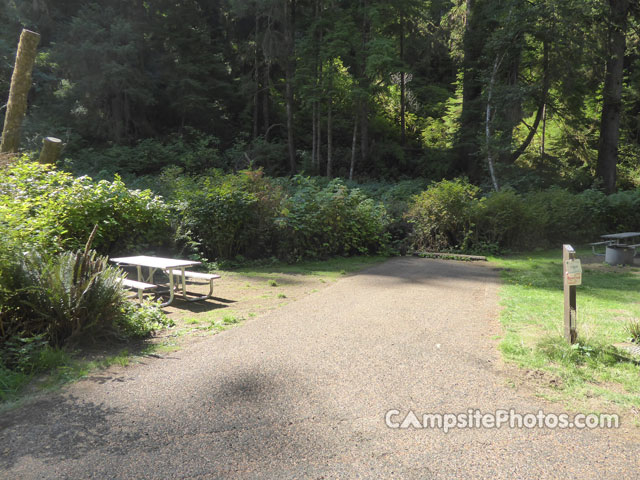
(559, 217)
(623, 211)
(228, 215)
(191, 150)
(11, 381)
(442, 215)
(502, 220)
(141, 320)
(251, 216)
(44, 208)
(451, 215)
(332, 220)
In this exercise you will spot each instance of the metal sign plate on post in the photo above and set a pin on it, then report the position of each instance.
(571, 272)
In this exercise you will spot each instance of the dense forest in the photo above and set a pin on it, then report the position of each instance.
(521, 93)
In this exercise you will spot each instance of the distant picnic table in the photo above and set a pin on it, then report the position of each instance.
(617, 252)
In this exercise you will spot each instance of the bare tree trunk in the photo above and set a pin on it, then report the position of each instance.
(487, 127)
(266, 83)
(319, 141)
(364, 85)
(612, 95)
(402, 87)
(266, 122)
(289, 22)
(364, 132)
(544, 130)
(353, 147)
(256, 77)
(19, 90)
(329, 136)
(319, 125)
(467, 142)
(314, 131)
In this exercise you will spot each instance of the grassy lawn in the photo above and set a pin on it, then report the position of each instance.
(591, 375)
(242, 293)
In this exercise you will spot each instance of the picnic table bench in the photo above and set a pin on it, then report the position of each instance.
(141, 287)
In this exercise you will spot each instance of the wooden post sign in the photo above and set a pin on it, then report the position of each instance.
(572, 274)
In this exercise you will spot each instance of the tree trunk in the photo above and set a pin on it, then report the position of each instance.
(289, 22)
(365, 84)
(266, 83)
(494, 180)
(546, 82)
(314, 131)
(319, 141)
(256, 77)
(364, 132)
(467, 142)
(353, 147)
(319, 124)
(612, 95)
(544, 130)
(329, 136)
(316, 79)
(402, 87)
(19, 90)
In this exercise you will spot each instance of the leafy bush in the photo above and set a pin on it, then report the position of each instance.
(623, 211)
(44, 208)
(228, 215)
(442, 215)
(140, 321)
(192, 150)
(451, 214)
(501, 219)
(559, 217)
(333, 220)
(252, 216)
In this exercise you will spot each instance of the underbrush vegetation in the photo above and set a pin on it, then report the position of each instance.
(50, 210)
(453, 215)
(248, 215)
(53, 293)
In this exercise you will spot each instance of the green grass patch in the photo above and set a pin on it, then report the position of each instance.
(226, 321)
(532, 318)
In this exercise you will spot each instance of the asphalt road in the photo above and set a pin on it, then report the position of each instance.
(303, 392)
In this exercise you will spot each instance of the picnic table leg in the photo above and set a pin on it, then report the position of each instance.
(168, 302)
(139, 268)
(184, 283)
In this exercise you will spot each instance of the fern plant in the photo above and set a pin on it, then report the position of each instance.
(66, 295)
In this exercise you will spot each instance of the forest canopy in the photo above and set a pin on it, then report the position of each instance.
(520, 93)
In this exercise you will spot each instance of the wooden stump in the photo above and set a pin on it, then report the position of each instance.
(51, 148)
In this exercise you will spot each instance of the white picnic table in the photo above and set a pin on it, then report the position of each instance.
(171, 266)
